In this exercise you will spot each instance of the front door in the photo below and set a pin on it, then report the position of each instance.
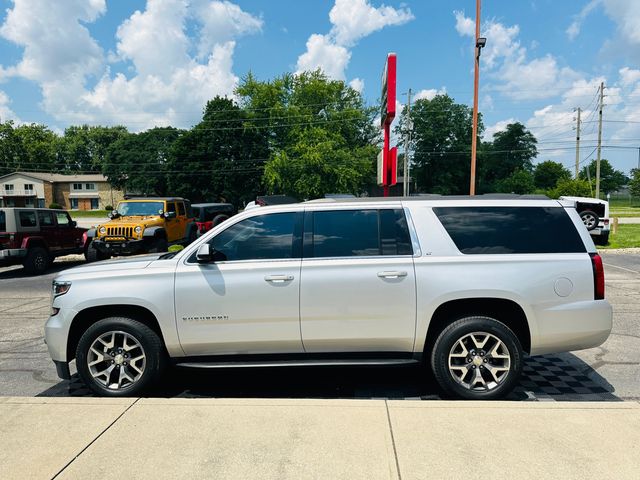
(358, 290)
(248, 300)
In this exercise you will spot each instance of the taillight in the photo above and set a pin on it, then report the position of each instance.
(598, 276)
(606, 221)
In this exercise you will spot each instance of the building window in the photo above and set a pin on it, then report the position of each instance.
(89, 186)
(76, 186)
(8, 187)
(29, 202)
(94, 204)
(28, 188)
(41, 203)
(74, 203)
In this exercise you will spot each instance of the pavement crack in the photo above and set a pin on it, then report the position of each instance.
(393, 441)
(94, 440)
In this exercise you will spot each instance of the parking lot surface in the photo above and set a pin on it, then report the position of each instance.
(610, 372)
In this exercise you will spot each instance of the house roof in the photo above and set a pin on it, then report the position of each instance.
(60, 177)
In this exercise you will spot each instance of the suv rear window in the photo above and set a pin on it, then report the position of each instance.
(3, 221)
(490, 230)
(27, 218)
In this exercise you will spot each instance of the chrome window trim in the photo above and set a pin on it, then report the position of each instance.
(415, 244)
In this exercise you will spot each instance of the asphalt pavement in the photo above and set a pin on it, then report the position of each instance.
(610, 372)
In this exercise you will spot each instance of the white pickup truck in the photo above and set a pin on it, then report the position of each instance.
(466, 286)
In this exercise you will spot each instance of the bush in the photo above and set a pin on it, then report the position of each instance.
(109, 208)
(55, 206)
(571, 188)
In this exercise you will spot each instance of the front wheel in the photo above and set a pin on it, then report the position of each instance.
(477, 358)
(119, 357)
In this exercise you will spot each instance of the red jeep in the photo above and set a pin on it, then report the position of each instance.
(34, 237)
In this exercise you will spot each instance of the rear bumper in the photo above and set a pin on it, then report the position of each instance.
(11, 256)
(573, 326)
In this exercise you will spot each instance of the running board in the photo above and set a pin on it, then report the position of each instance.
(301, 363)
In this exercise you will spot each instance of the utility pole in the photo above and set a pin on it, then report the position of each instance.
(476, 78)
(599, 140)
(578, 144)
(407, 142)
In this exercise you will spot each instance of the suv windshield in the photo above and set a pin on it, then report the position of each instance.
(3, 221)
(140, 208)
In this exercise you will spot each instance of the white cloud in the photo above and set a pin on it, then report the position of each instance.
(573, 30)
(507, 62)
(499, 126)
(429, 93)
(323, 53)
(351, 21)
(357, 84)
(629, 76)
(355, 19)
(5, 111)
(167, 84)
(464, 25)
(627, 16)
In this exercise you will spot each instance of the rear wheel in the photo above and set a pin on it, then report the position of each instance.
(119, 357)
(218, 219)
(477, 358)
(590, 219)
(37, 261)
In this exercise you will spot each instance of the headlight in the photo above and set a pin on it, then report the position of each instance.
(102, 230)
(138, 230)
(60, 288)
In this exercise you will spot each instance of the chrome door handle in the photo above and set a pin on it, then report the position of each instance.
(393, 274)
(278, 278)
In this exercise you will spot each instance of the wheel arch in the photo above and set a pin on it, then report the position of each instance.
(87, 317)
(506, 311)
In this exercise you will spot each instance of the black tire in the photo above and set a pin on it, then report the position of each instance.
(602, 239)
(160, 245)
(37, 261)
(218, 219)
(590, 219)
(92, 254)
(151, 345)
(458, 330)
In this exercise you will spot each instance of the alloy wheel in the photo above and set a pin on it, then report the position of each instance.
(116, 360)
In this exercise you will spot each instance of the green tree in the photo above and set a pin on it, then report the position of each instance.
(441, 140)
(84, 148)
(138, 162)
(30, 147)
(221, 158)
(520, 182)
(302, 117)
(511, 150)
(634, 183)
(546, 174)
(571, 188)
(12, 152)
(610, 178)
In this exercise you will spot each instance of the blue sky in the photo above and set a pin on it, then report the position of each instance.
(155, 62)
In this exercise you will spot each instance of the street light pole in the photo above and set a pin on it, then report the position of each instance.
(480, 42)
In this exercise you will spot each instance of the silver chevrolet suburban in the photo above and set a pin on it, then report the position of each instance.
(468, 286)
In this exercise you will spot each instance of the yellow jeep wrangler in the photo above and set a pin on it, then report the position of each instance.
(143, 225)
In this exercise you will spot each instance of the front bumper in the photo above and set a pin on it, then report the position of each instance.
(56, 334)
(10, 256)
(121, 247)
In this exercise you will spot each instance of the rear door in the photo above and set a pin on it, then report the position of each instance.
(49, 230)
(66, 232)
(358, 290)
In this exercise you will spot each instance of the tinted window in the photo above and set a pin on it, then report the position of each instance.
(487, 230)
(3, 221)
(171, 207)
(27, 218)
(345, 233)
(258, 238)
(181, 210)
(394, 233)
(46, 219)
(63, 219)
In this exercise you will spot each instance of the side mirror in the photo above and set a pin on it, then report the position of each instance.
(74, 224)
(207, 254)
(169, 214)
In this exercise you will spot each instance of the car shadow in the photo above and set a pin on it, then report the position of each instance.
(19, 272)
(544, 378)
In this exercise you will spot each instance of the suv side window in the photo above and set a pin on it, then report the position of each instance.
(181, 210)
(356, 233)
(27, 218)
(46, 219)
(503, 230)
(63, 219)
(263, 237)
(171, 207)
